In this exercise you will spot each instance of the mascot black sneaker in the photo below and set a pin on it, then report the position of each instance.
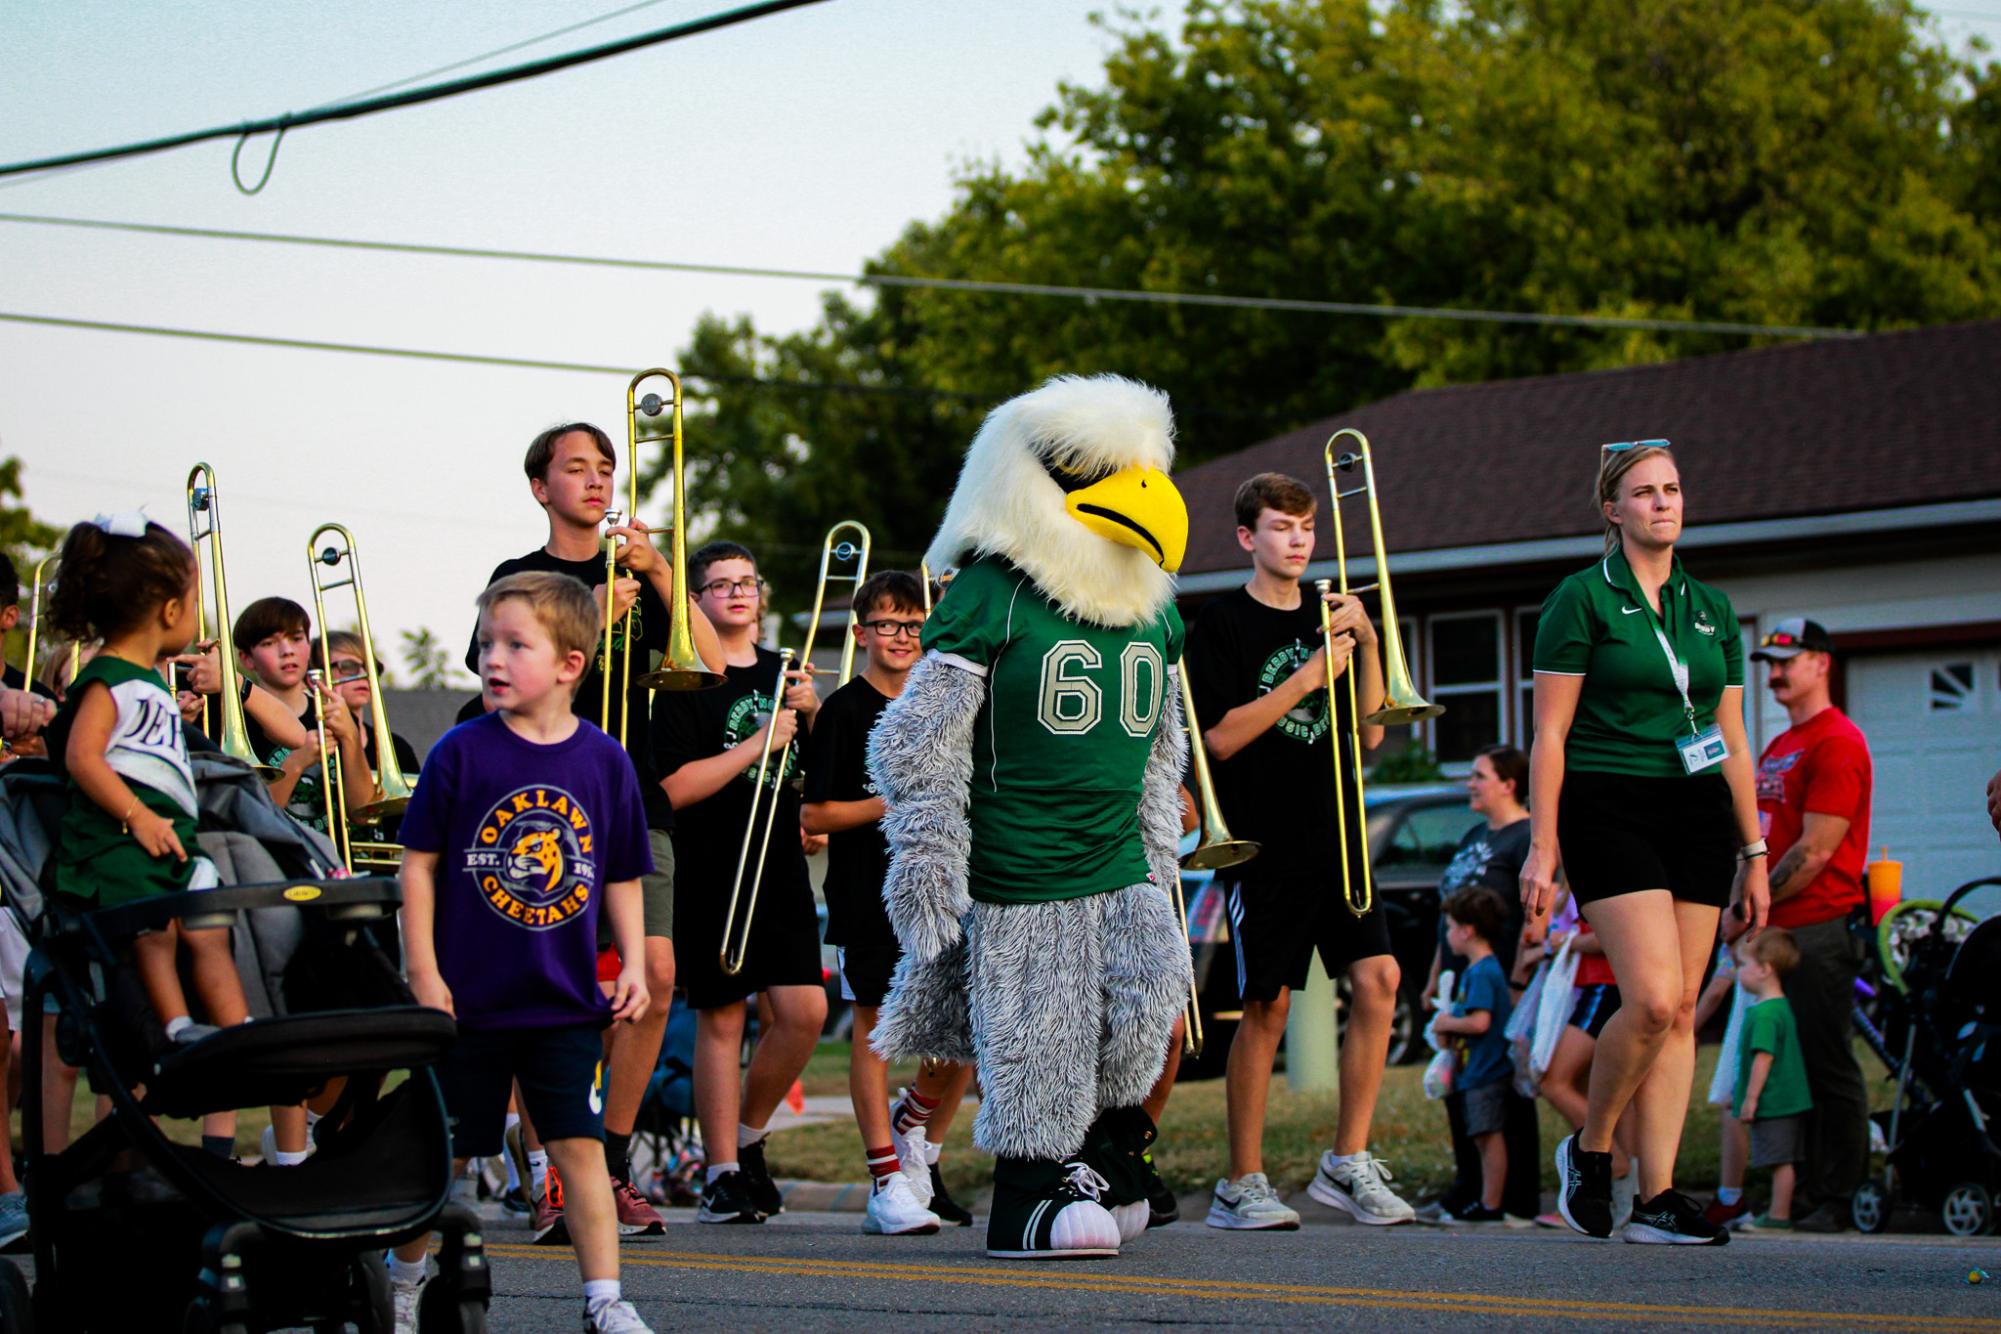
(764, 1193)
(1115, 1147)
(1044, 1210)
(1584, 1188)
(1672, 1219)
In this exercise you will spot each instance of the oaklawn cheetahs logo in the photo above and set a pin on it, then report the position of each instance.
(1307, 720)
(532, 858)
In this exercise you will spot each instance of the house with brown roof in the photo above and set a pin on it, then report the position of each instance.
(1856, 481)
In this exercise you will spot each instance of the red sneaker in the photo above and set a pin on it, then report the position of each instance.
(545, 1214)
(636, 1218)
(1732, 1216)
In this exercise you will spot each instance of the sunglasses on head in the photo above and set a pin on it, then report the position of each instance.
(1780, 639)
(1624, 445)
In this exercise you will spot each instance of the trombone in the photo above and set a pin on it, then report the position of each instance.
(682, 668)
(732, 953)
(205, 524)
(845, 550)
(1401, 702)
(392, 787)
(30, 670)
(1216, 851)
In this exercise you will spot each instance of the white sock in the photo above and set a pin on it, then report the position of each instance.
(406, 1271)
(287, 1158)
(1344, 1159)
(538, 1168)
(748, 1135)
(176, 1024)
(1727, 1195)
(931, 1152)
(717, 1169)
(600, 1292)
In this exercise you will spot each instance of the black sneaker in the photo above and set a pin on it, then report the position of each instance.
(757, 1179)
(948, 1209)
(1823, 1218)
(1164, 1208)
(1672, 1219)
(727, 1200)
(1472, 1212)
(1584, 1188)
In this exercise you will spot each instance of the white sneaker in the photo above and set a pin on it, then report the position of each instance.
(894, 1210)
(406, 1297)
(1357, 1188)
(1249, 1203)
(1625, 1190)
(912, 1157)
(614, 1318)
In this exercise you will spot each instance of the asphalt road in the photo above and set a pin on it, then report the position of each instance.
(818, 1271)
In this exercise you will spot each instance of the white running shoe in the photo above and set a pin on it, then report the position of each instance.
(614, 1318)
(406, 1296)
(916, 1165)
(1249, 1203)
(1357, 1188)
(894, 1210)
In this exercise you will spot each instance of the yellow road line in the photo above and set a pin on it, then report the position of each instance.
(1462, 1303)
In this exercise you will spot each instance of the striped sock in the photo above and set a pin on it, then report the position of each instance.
(883, 1163)
(912, 1111)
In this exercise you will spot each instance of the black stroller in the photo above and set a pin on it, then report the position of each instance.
(189, 1240)
(1941, 1037)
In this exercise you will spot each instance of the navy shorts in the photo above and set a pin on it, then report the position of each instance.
(866, 971)
(1596, 1003)
(560, 1071)
(1276, 928)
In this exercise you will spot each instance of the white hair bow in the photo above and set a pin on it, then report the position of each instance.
(127, 523)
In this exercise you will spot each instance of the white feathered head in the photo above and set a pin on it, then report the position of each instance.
(1069, 482)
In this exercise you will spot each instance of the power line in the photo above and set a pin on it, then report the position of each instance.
(291, 120)
(1209, 299)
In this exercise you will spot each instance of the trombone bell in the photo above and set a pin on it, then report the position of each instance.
(681, 668)
(1401, 702)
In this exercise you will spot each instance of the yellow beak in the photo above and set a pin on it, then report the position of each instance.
(1136, 507)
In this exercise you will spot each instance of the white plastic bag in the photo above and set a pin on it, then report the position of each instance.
(1520, 1033)
(1553, 1007)
(1439, 1074)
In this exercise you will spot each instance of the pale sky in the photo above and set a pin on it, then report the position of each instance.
(807, 140)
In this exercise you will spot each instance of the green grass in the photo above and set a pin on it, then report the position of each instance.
(1410, 1133)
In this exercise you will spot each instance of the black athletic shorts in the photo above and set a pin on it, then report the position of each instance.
(559, 1070)
(784, 948)
(865, 972)
(1620, 834)
(1276, 927)
(1596, 1003)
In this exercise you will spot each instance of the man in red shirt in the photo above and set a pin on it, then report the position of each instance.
(1813, 801)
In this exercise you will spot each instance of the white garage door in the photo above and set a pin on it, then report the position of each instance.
(1933, 720)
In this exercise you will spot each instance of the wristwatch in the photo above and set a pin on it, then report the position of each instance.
(1750, 850)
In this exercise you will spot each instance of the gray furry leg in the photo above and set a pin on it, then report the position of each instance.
(1146, 988)
(1037, 1024)
(925, 1014)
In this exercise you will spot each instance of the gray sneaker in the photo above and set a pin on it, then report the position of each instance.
(1358, 1188)
(13, 1218)
(1250, 1204)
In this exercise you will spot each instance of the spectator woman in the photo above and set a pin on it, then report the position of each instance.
(1641, 788)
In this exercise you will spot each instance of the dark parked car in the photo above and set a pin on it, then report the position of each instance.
(1413, 832)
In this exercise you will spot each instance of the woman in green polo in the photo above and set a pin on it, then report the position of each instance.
(1642, 790)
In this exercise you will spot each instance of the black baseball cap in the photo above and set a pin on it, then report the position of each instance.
(1791, 637)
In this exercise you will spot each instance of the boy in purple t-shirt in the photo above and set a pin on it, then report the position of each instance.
(527, 819)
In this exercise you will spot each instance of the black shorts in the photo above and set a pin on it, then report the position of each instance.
(1620, 834)
(783, 950)
(559, 1070)
(1276, 927)
(1596, 1003)
(865, 972)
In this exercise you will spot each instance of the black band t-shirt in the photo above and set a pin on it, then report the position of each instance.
(858, 858)
(695, 724)
(1279, 789)
(1493, 858)
(649, 628)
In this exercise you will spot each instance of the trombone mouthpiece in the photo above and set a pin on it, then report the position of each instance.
(651, 404)
(614, 518)
(1324, 585)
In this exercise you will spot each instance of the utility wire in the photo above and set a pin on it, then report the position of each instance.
(1282, 304)
(291, 120)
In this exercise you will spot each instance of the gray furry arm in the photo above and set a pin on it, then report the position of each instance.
(920, 755)
(1160, 792)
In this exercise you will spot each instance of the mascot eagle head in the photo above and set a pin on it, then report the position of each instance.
(1069, 483)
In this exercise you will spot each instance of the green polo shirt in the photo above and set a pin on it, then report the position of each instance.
(1597, 625)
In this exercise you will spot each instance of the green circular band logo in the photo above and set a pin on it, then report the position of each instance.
(743, 721)
(1307, 720)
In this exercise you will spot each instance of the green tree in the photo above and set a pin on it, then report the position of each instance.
(427, 661)
(1777, 162)
(23, 537)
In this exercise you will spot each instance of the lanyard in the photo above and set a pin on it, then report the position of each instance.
(1680, 672)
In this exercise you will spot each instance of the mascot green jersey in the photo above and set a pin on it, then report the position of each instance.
(1032, 769)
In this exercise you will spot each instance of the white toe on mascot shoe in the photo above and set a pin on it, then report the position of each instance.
(1032, 770)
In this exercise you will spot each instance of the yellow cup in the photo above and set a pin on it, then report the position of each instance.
(1886, 885)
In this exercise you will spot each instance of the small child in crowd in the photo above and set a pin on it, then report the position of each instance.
(1480, 1007)
(1772, 1093)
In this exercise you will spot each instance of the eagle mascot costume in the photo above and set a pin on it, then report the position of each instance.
(1032, 770)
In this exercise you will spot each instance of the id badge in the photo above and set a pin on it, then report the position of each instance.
(1705, 750)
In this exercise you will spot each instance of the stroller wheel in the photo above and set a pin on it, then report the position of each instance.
(201, 1320)
(1869, 1207)
(442, 1310)
(1968, 1210)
